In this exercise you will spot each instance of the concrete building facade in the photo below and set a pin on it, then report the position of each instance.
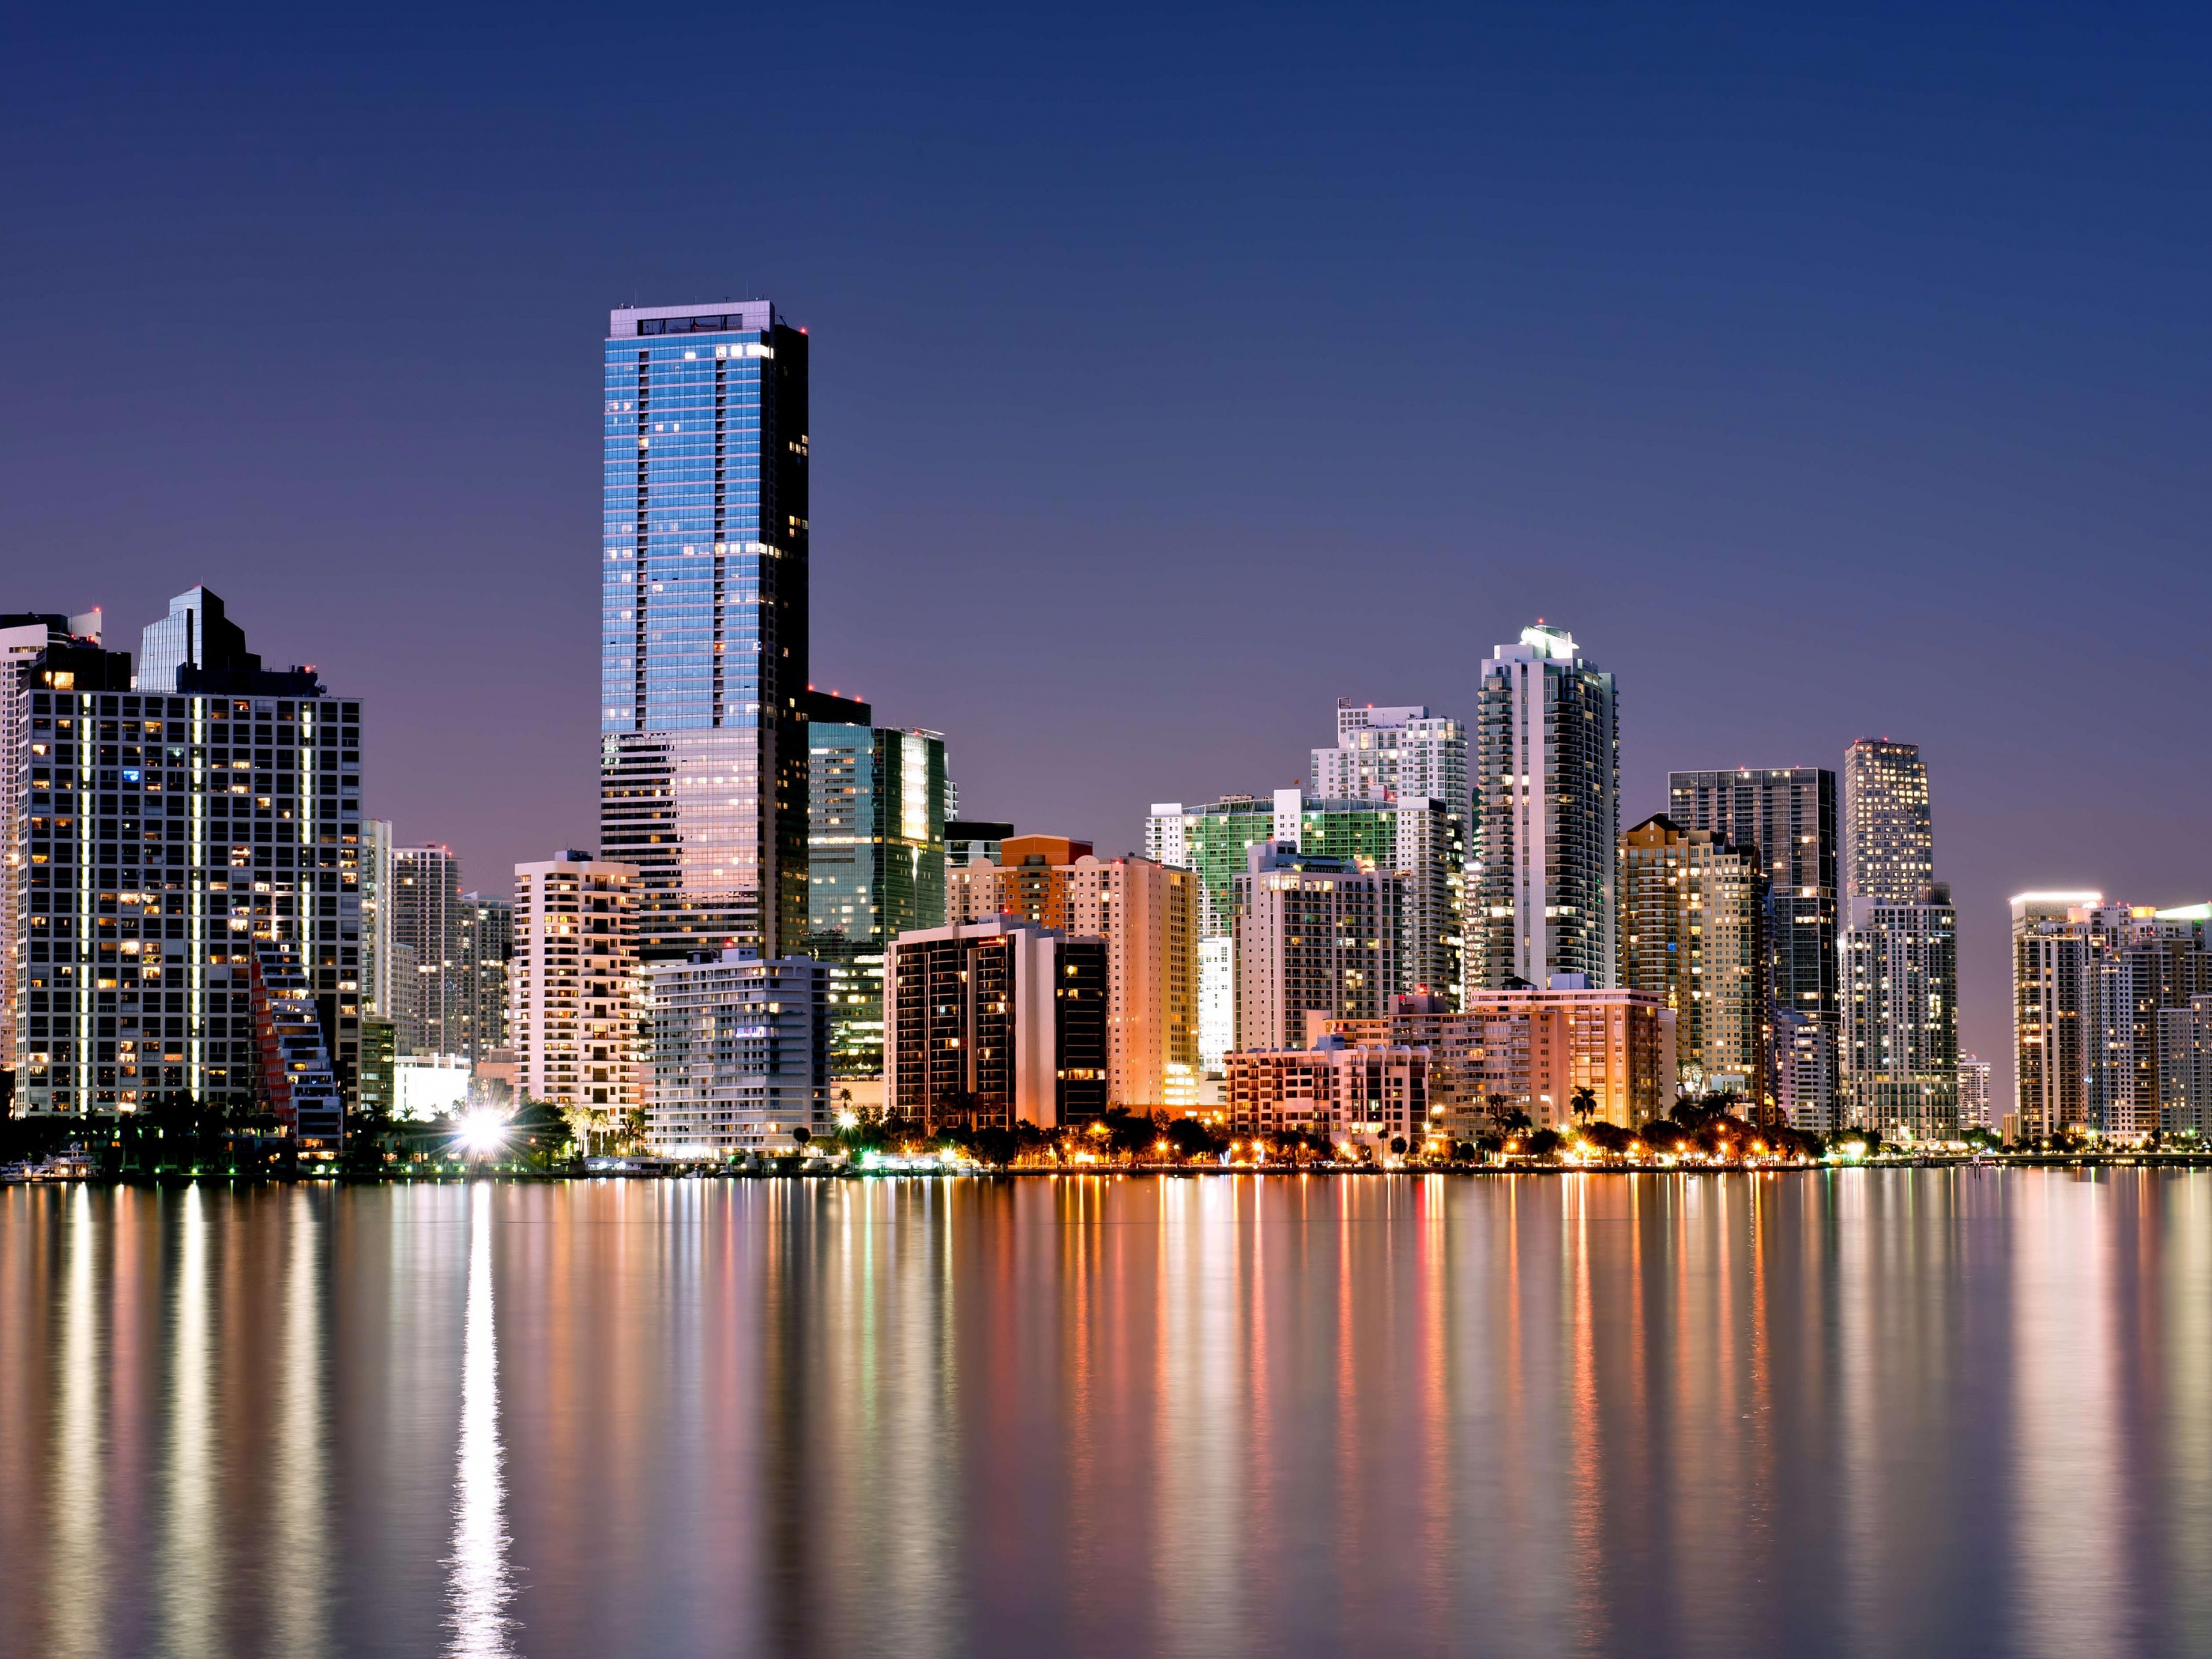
(1693, 934)
(1791, 815)
(996, 1021)
(739, 1054)
(1900, 1039)
(1532, 1051)
(1313, 935)
(158, 839)
(572, 1001)
(1337, 1092)
(1889, 840)
(1546, 788)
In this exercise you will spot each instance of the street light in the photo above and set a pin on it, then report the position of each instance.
(482, 1132)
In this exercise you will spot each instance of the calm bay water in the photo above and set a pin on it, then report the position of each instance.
(1860, 1413)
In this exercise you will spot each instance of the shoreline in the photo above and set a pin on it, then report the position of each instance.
(452, 1175)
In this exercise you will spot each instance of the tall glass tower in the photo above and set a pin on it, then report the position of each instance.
(702, 729)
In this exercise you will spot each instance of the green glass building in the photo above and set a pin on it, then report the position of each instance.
(876, 812)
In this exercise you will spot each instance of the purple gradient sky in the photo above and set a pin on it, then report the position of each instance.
(1174, 374)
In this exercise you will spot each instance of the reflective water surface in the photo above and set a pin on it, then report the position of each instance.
(1862, 1412)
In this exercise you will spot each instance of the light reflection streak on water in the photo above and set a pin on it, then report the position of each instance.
(77, 1583)
(190, 1569)
(1860, 1357)
(2068, 1516)
(2188, 1357)
(479, 1585)
(1198, 1450)
(297, 1561)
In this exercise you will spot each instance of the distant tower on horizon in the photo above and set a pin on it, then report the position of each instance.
(1541, 897)
(1889, 838)
(703, 641)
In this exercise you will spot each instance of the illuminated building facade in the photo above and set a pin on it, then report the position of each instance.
(1532, 1051)
(1392, 754)
(739, 1054)
(2094, 985)
(1315, 936)
(1789, 814)
(1974, 1093)
(572, 997)
(487, 948)
(704, 749)
(1889, 837)
(995, 1023)
(1336, 1092)
(160, 837)
(1694, 933)
(424, 907)
(1900, 1038)
(876, 857)
(1546, 816)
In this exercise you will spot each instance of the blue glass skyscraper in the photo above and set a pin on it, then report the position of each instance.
(703, 729)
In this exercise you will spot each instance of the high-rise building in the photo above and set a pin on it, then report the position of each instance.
(1534, 1051)
(1146, 914)
(1414, 835)
(1546, 816)
(487, 948)
(995, 1022)
(378, 995)
(2184, 1072)
(574, 1018)
(1213, 842)
(1029, 880)
(1900, 1035)
(25, 637)
(1694, 933)
(702, 747)
(1788, 813)
(739, 1054)
(2092, 983)
(1889, 839)
(876, 857)
(1316, 936)
(1974, 1093)
(426, 921)
(195, 638)
(972, 841)
(162, 838)
(298, 1082)
(1391, 754)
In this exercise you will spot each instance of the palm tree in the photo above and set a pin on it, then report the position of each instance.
(1584, 1103)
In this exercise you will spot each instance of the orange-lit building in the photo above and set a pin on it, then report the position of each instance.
(1146, 913)
(1535, 1048)
(1339, 1091)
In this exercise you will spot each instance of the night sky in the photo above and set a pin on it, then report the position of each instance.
(1173, 375)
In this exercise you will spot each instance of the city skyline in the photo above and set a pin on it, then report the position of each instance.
(1842, 432)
